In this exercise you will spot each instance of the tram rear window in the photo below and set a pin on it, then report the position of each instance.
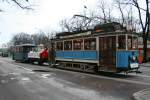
(68, 45)
(27, 49)
(78, 44)
(18, 49)
(122, 42)
(59, 45)
(90, 44)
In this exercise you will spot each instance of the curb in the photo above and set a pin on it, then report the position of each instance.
(145, 64)
(142, 95)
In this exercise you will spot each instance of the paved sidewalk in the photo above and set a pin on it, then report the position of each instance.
(142, 95)
(146, 64)
(145, 69)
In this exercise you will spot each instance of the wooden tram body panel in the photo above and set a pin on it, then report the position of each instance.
(107, 53)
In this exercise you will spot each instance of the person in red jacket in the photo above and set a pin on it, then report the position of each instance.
(43, 56)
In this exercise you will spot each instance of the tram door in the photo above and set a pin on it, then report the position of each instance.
(107, 47)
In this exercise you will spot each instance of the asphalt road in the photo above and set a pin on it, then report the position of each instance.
(20, 81)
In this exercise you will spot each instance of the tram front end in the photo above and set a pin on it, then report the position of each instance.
(127, 53)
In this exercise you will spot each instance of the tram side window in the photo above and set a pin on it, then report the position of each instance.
(17, 49)
(90, 44)
(122, 42)
(132, 42)
(135, 43)
(129, 42)
(27, 49)
(78, 44)
(68, 45)
(20, 49)
(59, 45)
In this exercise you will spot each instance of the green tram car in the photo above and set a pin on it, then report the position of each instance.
(20, 52)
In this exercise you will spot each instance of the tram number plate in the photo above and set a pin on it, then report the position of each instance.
(134, 65)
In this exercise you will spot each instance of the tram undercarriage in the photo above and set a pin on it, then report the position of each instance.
(84, 67)
(93, 67)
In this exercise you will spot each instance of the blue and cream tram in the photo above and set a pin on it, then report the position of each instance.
(97, 50)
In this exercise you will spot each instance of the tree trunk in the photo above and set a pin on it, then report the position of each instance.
(145, 48)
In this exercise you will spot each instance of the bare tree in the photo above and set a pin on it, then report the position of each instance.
(87, 20)
(103, 8)
(66, 25)
(20, 3)
(24, 38)
(120, 7)
(127, 19)
(131, 22)
(76, 23)
(40, 38)
(104, 13)
(144, 19)
(21, 38)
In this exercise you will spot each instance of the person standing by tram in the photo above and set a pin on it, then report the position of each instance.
(52, 55)
(43, 56)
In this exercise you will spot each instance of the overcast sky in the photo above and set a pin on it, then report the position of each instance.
(45, 16)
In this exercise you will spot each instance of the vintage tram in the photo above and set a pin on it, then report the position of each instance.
(20, 52)
(98, 50)
(30, 53)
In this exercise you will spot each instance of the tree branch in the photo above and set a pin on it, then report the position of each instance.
(127, 3)
(21, 6)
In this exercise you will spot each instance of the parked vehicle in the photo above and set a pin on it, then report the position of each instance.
(109, 49)
(20, 52)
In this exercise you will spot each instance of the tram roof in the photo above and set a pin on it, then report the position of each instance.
(93, 33)
(25, 45)
(108, 27)
(112, 28)
(115, 33)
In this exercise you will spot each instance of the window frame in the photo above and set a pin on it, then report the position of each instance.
(71, 42)
(80, 42)
(62, 44)
(132, 42)
(125, 42)
(90, 43)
